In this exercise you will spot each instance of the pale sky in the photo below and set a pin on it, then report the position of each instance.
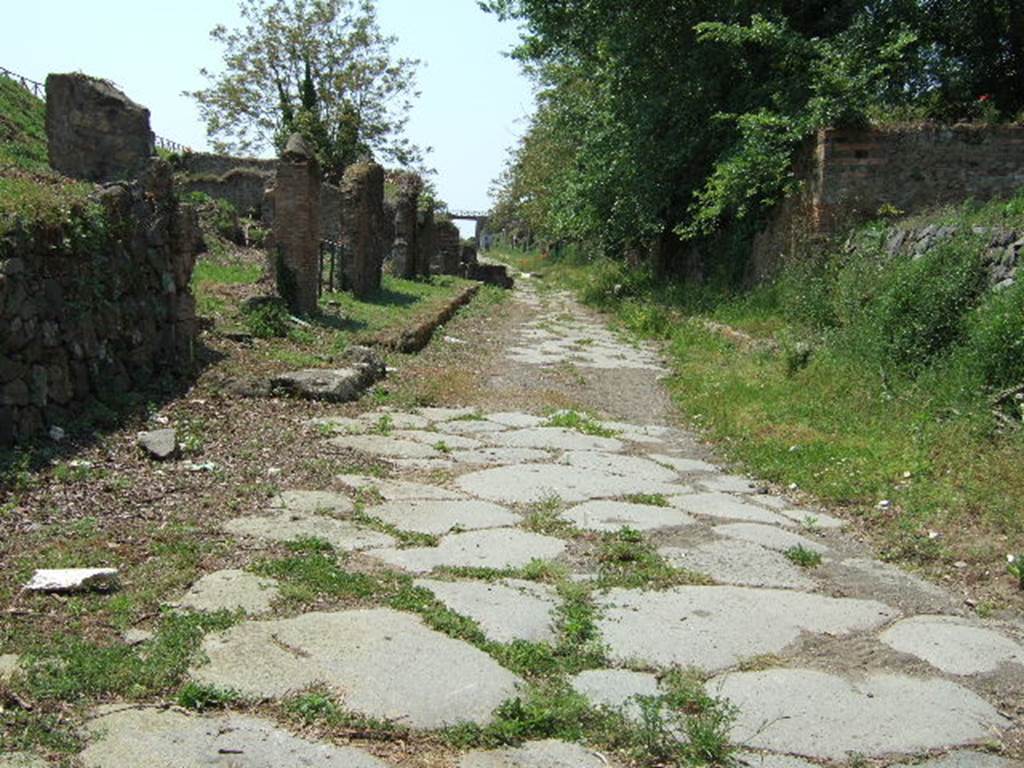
(474, 100)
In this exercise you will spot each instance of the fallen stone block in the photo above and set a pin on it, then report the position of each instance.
(66, 580)
(159, 444)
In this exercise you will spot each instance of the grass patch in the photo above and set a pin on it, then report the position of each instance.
(545, 517)
(581, 422)
(22, 128)
(626, 559)
(650, 499)
(805, 558)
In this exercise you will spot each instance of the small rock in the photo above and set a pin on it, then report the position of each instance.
(8, 666)
(137, 636)
(64, 580)
(57, 434)
(160, 444)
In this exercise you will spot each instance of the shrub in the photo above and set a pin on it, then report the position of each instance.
(266, 318)
(995, 338)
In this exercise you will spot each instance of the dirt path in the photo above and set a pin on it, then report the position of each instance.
(600, 570)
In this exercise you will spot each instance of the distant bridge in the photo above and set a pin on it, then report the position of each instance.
(468, 215)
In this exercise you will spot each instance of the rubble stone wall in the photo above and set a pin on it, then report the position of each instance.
(362, 190)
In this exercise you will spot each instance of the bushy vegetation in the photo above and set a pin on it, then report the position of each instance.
(663, 123)
(861, 376)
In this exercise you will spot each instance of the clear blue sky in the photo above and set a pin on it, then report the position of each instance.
(473, 105)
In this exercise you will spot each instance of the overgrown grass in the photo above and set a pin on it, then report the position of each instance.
(22, 128)
(876, 382)
(581, 422)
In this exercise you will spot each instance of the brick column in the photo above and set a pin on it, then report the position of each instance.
(406, 208)
(362, 190)
(297, 227)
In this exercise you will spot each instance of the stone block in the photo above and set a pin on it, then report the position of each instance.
(94, 131)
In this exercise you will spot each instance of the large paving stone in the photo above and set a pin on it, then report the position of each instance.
(954, 645)
(383, 664)
(894, 585)
(495, 548)
(122, 736)
(537, 754)
(395, 420)
(313, 502)
(727, 484)
(470, 427)
(446, 414)
(640, 433)
(288, 526)
(613, 515)
(500, 456)
(439, 517)
(556, 439)
(681, 464)
(768, 760)
(616, 689)
(434, 439)
(397, 490)
(740, 563)
(806, 517)
(724, 506)
(231, 590)
(769, 536)
(965, 760)
(817, 714)
(713, 628)
(618, 464)
(387, 446)
(515, 420)
(507, 610)
(534, 482)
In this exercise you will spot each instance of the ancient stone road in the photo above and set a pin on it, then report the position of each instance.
(824, 664)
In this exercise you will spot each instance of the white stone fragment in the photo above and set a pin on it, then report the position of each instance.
(63, 580)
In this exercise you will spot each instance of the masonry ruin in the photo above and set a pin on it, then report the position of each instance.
(297, 227)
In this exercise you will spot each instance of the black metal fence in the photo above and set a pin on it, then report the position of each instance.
(38, 90)
(332, 266)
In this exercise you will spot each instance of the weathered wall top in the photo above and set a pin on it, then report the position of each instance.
(95, 132)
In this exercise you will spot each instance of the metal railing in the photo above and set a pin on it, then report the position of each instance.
(332, 267)
(38, 90)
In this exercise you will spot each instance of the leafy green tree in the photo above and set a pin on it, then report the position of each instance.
(319, 67)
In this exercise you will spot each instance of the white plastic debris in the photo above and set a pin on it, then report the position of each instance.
(74, 580)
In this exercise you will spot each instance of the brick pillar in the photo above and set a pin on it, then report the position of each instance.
(362, 191)
(426, 242)
(297, 227)
(448, 247)
(406, 208)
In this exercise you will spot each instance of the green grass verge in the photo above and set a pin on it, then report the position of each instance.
(22, 128)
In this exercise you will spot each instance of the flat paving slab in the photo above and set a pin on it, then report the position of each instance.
(383, 663)
(724, 506)
(965, 760)
(613, 515)
(768, 760)
(728, 483)
(493, 548)
(617, 689)
(313, 503)
(712, 628)
(769, 536)
(231, 590)
(384, 445)
(954, 645)
(122, 736)
(556, 439)
(537, 754)
(388, 489)
(287, 526)
(499, 456)
(440, 517)
(619, 464)
(24, 760)
(683, 464)
(528, 483)
(515, 419)
(435, 439)
(740, 563)
(820, 715)
(508, 610)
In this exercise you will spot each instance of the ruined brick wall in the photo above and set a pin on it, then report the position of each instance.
(92, 317)
(449, 248)
(426, 242)
(362, 190)
(297, 227)
(331, 212)
(847, 176)
(407, 200)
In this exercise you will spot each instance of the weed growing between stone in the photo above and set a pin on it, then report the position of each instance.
(581, 422)
(626, 559)
(804, 557)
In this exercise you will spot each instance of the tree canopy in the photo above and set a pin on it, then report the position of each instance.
(318, 67)
(670, 120)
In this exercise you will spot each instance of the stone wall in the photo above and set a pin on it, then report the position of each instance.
(94, 132)
(449, 248)
(208, 164)
(244, 188)
(331, 212)
(362, 190)
(89, 318)
(847, 176)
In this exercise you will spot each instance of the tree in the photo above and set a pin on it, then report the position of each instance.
(319, 67)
